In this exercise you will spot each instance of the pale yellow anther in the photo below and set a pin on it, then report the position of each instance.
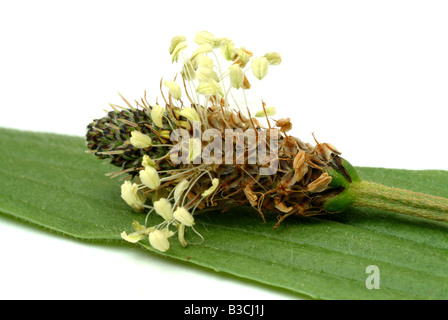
(236, 75)
(140, 233)
(274, 58)
(174, 88)
(147, 161)
(205, 37)
(175, 42)
(260, 67)
(181, 235)
(137, 226)
(210, 88)
(203, 49)
(167, 232)
(175, 56)
(159, 239)
(209, 191)
(131, 195)
(177, 45)
(166, 134)
(163, 208)
(195, 149)
(157, 115)
(206, 74)
(150, 177)
(270, 111)
(204, 61)
(140, 140)
(190, 113)
(183, 216)
(243, 56)
(220, 42)
(132, 238)
(179, 189)
(189, 69)
(228, 49)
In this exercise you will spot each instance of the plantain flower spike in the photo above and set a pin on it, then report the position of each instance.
(300, 179)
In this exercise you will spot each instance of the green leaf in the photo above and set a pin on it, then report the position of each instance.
(49, 180)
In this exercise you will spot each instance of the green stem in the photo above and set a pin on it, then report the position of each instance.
(373, 195)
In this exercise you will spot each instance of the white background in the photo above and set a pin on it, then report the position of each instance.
(370, 77)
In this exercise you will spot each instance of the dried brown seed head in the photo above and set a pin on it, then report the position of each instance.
(320, 184)
(284, 124)
(251, 196)
(300, 165)
(281, 206)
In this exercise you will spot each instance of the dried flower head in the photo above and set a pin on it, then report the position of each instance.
(285, 125)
